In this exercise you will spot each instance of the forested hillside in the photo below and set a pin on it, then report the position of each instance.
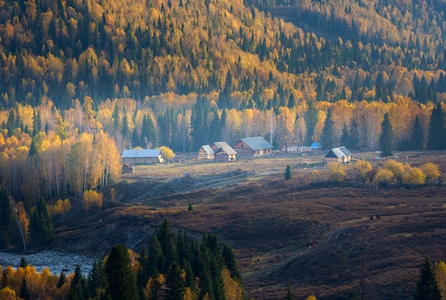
(106, 49)
(83, 80)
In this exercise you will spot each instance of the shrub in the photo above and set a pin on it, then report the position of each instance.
(431, 170)
(337, 175)
(92, 199)
(334, 165)
(383, 177)
(414, 176)
(316, 177)
(396, 168)
(361, 168)
(370, 175)
(167, 153)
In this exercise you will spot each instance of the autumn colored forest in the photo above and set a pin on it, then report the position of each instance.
(83, 80)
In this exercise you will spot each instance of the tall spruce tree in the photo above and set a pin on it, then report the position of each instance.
(149, 135)
(6, 220)
(167, 241)
(24, 291)
(427, 287)
(437, 129)
(174, 282)
(311, 119)
(77, 286)
(386, 139)
(417, 136)
(345, 139)
(328, 139)
(120, 279)
(40, 225)
(199, 124)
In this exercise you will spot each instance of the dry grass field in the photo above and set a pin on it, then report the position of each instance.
(271, 223)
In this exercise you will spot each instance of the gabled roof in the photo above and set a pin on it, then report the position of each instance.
(345, 151)
(339, 152)
(130, 153)
(225, 147)
(207, 149)
(257, 143)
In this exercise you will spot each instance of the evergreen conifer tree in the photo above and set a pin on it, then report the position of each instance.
(417, 136)
(427, 287)
(311, 119)
(62, 279)
(120, 279)
(437, 129)
(199, 125)
(41, 227)
(386, 139)
(229, 258)
(174, 282)
(353, 136)
(149, 135)
(288, 174)
(23, 262)
(291, 101)
(328, 138)
(77, 286)
(96, 279)
(167, 241)
(345, 139)
(24, 291)
(6, 214)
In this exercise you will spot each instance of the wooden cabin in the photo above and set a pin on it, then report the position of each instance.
(223, 152)
(253, 147)
(144, 156)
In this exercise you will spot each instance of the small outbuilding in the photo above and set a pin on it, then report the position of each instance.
(339, 155)
(223, 152)
(253, 147)
(205, 153)
(144, 156)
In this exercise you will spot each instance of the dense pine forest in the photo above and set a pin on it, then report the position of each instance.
(173, 266)
(83, 80)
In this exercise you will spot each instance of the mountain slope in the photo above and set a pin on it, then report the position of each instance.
(69, 49)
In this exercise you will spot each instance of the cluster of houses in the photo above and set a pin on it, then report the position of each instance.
(250, 147)
(245, 148)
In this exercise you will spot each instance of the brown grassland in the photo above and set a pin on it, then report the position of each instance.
(271, 223)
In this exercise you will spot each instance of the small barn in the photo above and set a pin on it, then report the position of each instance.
(223, 152)
(205, 153)
(253, 147)
(339, 155)
(139, 157)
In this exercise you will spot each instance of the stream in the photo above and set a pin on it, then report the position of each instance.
(54, 261)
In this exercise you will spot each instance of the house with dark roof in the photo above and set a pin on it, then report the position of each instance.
(205, 153)
(339, 155)
(223, 152)
(144, 156)
(253, 147)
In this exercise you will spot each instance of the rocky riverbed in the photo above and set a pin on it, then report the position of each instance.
(54, 261)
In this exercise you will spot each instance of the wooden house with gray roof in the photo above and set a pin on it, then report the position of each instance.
(253, 147)
(143, 156)
(205, 153)
(339, 155)
(223, 152)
